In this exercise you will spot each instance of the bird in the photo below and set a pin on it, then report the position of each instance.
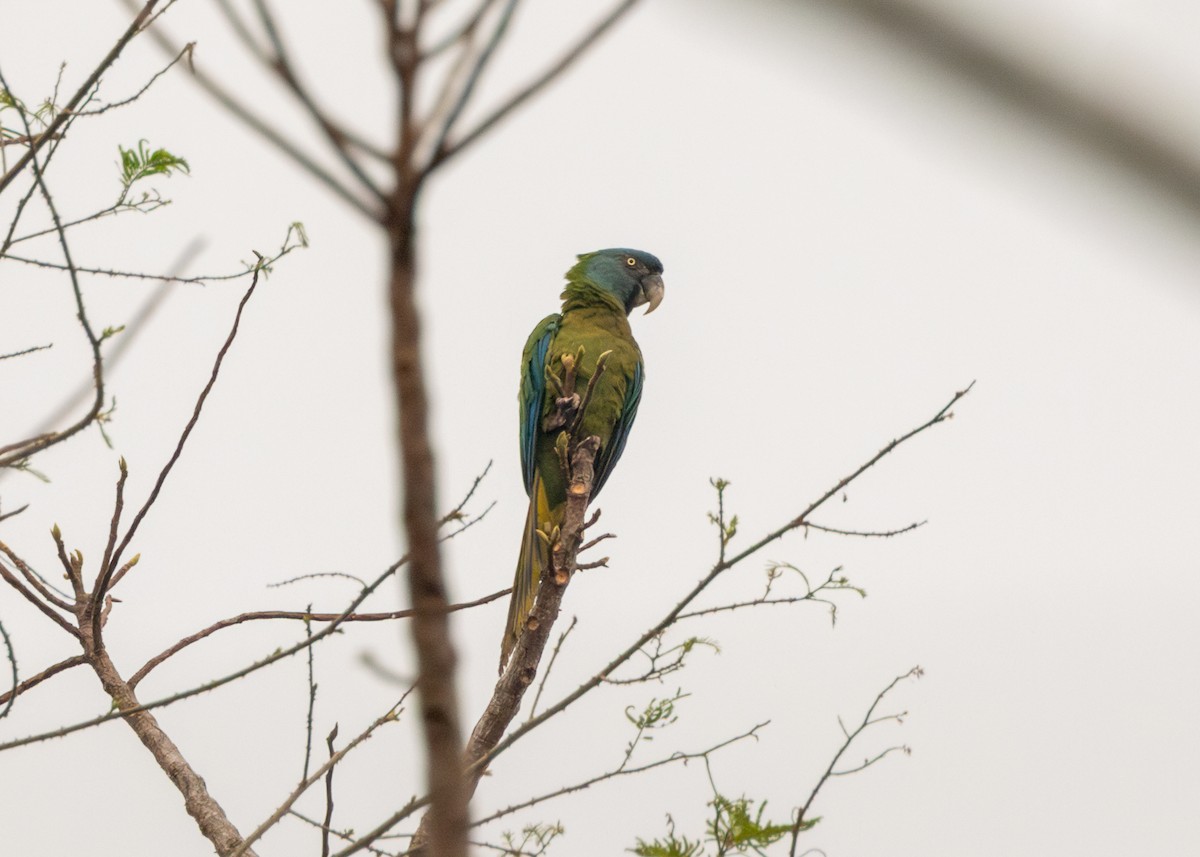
(602, 288)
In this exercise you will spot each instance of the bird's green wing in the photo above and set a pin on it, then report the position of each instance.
(533, 393)
(607, 459)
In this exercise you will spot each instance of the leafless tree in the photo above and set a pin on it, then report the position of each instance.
(384, 187)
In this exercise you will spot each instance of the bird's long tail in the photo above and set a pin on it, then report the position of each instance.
(533, 558)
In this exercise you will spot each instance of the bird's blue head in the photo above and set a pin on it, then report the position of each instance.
(633, 277)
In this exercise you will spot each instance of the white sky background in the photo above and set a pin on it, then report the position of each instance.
(849, 237)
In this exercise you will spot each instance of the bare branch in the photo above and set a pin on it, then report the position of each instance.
(452, 103)
(390, 716)
(550, 666)
(337, 137)
(328, 794)
(620, 771)
(455, 514)
(263, 264)
(299, 616)
(65, 114)
(37, 444)
(801, 822)
(186, 51)
(670, 618)
(9, 697)
(383, 827)
(133, 329)
(36, 581)
(273, 658)
(200, 805)
(12, 580)
(110, 568)
(535, 86)
(30, 350)
(49, 672)
(342, 835)
(251, 120)
(870, 534)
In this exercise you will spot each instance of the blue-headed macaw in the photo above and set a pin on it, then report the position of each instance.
(602, 288)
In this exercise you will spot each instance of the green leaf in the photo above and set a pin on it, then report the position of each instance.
(142, 162)
(737, 831)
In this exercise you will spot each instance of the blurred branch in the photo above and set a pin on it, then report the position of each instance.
(338, 138)
(248, 117)
(447, 149)
(1094, 119)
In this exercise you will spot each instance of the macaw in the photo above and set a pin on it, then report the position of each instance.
(602, 288)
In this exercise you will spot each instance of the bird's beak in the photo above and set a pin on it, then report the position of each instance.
(652, 291)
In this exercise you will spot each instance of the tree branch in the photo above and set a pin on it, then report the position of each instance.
(64, 115)
(248, 118)
(200, 805)
(535, 86)
(670, 618)
(801, 824)
(49, 672)
(296, 615)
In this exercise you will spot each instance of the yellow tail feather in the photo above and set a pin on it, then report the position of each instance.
(533, 558)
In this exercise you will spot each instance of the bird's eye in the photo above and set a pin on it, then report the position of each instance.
(630, 261)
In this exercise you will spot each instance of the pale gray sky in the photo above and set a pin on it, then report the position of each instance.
(850, 235)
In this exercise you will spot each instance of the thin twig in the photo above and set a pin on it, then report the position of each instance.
(550, 665)
(456, 513)
(35, 580)
(251, 119)
(114, 525)
(133, 328)
(275, 657)
(535, 86)
(390, 716)
(281, 63)
(312, 701)
(338, 833)
(669, 619)
(110, 569)
(81, 313)
(302, 616)
(619, 772)
(12, 580)
(383, 827)
(800, 823)
(30, 350)
(10, 697)
(186, 51)
(871, 534)
(65, 113)
(452, 105)
(49, 672)
(325, 827)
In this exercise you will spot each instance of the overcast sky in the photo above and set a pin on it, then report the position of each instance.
(850, 235)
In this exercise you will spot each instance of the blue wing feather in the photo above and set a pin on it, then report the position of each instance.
(607, 460)
(533, 394)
